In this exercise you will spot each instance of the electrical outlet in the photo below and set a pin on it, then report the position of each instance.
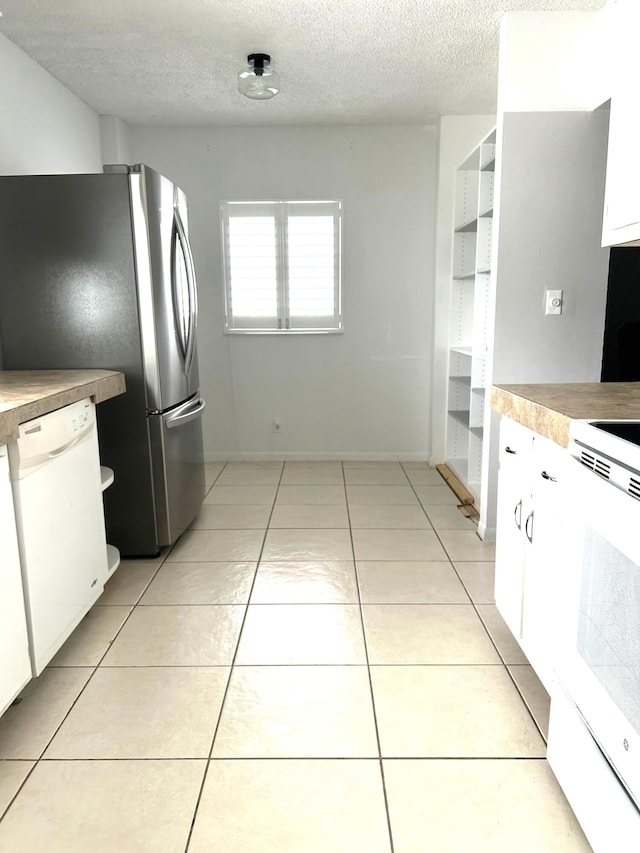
(553, 302)
(277, 425)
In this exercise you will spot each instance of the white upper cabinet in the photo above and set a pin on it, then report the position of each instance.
(621, 223)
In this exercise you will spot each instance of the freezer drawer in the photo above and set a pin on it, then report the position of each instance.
(178, 467)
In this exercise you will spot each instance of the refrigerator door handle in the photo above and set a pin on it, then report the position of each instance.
(185, 414)
(191, 286)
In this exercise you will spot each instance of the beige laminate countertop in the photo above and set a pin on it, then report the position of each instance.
(27, 394)
(549, 409)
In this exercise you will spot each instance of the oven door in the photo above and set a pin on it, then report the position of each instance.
(599, 654)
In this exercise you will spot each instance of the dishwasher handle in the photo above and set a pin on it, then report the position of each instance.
(63, 448)
(23, 464)
(185, 414)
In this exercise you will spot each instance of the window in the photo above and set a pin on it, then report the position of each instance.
(282, 266)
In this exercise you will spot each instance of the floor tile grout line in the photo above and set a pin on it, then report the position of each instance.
(526, 704)
(203, 758)
(88, 681)
(503, 662)
(94, 668)
(233, 665)
(371, 693)
(273, 665)
(84, 687)
(322, 559)
(300, 603)
(500, 655)
(207, 488)
(231, 668)
(359, 758)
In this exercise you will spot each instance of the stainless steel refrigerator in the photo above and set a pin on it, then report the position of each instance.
(97, 272)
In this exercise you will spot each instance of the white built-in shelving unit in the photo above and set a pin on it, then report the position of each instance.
(468, 344)
(113, 555)
(544, 234)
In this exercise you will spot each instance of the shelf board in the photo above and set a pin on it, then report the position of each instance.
(479, 391)
(464, 275)
(477, 431)
(483, 271)
(468, 351)
(106, 477)
(462, 380)
(461, 416)
(486, 214)
(472, 163)
(489, 165)
(466, 227)
(113, 558)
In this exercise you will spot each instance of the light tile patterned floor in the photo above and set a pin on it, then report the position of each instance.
(318, 665)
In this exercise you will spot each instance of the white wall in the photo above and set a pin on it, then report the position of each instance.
(115, 138)
(365, 392)
(547, 235)
(459, 135)
(44, 128)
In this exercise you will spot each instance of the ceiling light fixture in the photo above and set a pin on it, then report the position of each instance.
(259, 81)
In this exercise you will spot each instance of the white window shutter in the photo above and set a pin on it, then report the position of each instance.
(313, 268)
(282, 266)
(250, 249)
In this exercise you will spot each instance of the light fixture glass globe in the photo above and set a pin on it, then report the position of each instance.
(259, 81)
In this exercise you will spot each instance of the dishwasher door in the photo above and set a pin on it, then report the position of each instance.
(55, 473)
(15, 671)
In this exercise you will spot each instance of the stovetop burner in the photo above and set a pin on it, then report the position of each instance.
(627, 430)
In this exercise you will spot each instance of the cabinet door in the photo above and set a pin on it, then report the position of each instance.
(545, 560)
(15, 668)
(513, 507)
(621, 222)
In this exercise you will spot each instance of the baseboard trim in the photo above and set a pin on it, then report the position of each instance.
(487, 534)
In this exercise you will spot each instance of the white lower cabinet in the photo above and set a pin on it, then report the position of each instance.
(514, 499)
(529, 544)
(15, 665)
(545, 562)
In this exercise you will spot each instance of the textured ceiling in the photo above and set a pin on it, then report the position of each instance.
(340, 61)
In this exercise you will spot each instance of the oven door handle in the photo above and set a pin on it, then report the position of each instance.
(517, 514)
(529, 533)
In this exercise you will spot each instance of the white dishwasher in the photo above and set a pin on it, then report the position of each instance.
(15, 671)
(55, 475)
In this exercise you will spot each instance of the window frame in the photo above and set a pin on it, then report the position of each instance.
(284, 324)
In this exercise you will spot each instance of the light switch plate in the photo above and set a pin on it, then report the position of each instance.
(553, 302)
